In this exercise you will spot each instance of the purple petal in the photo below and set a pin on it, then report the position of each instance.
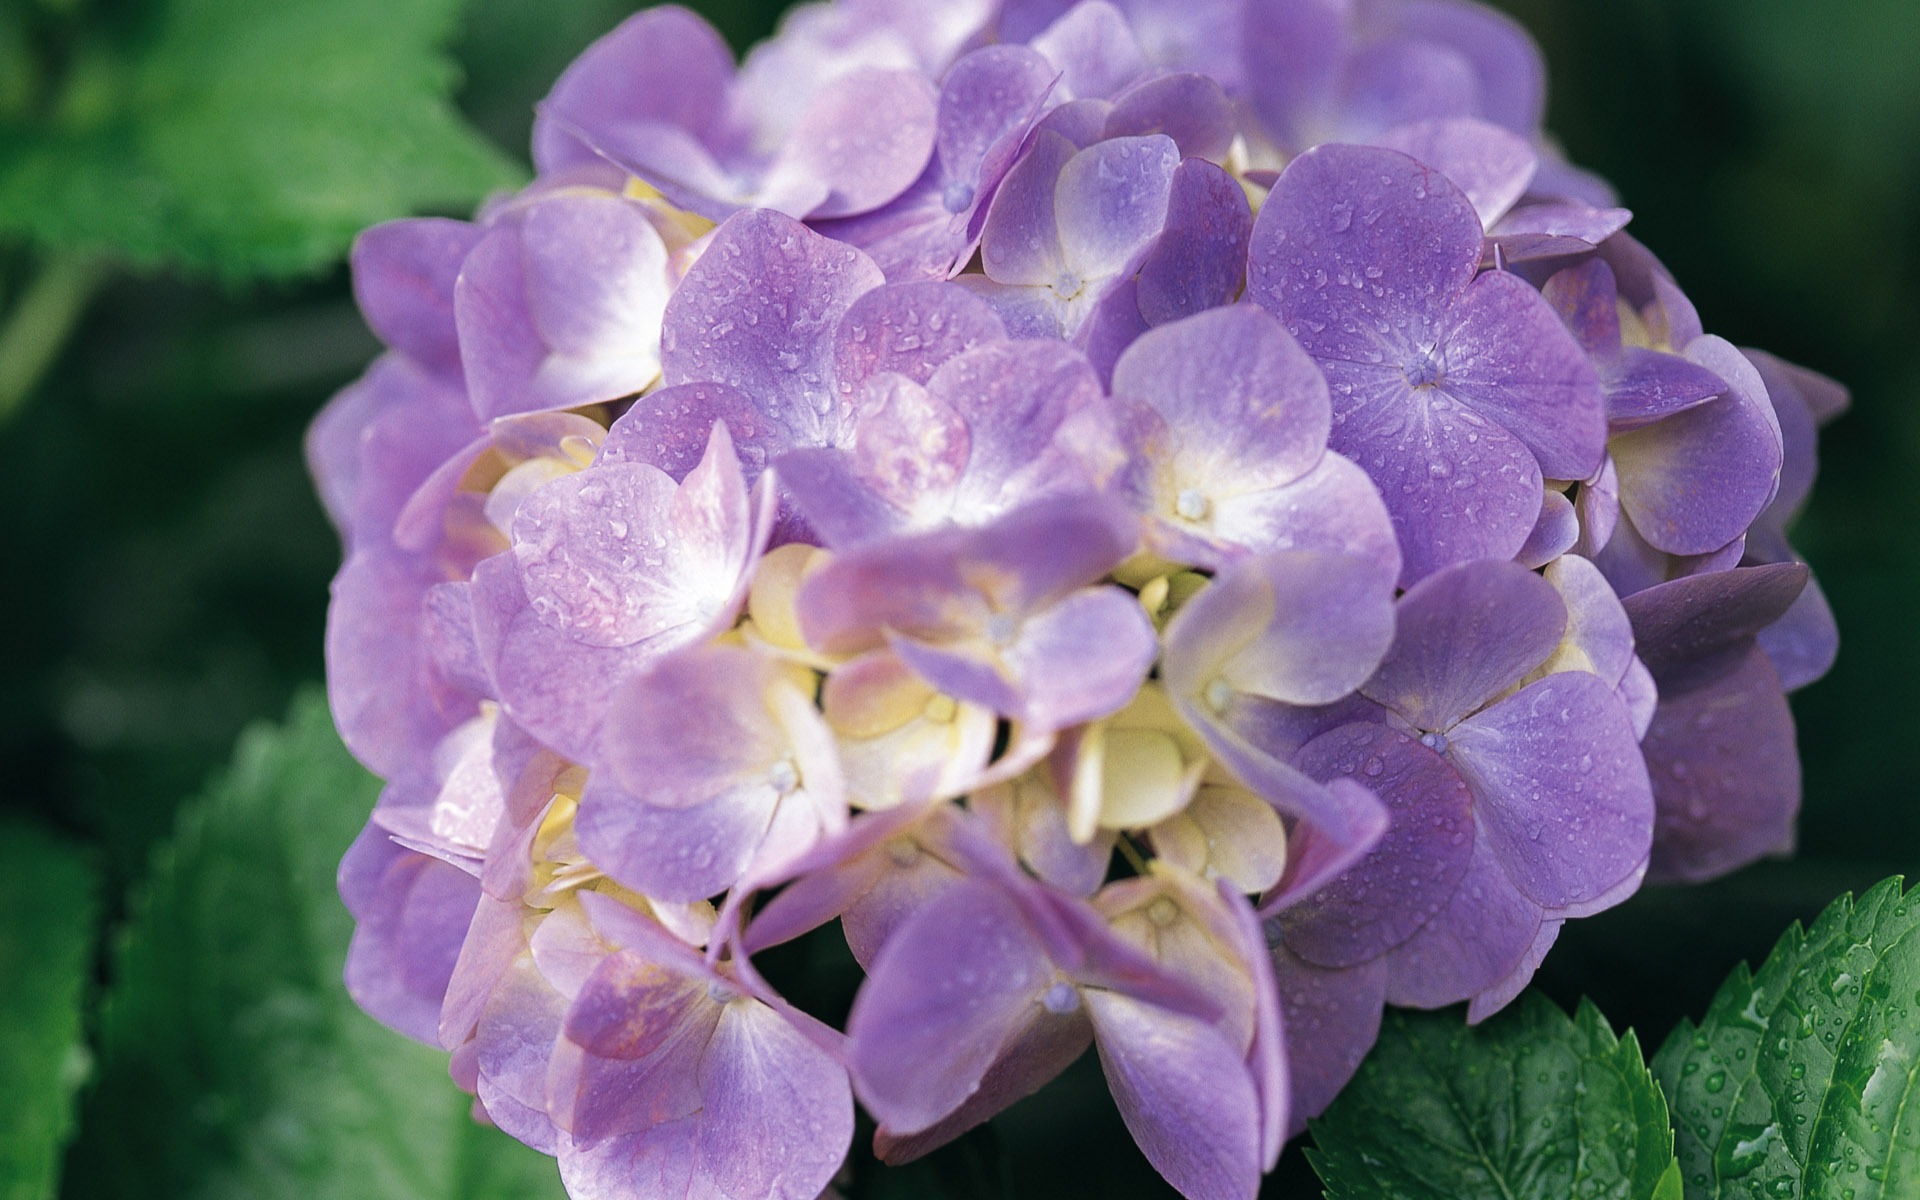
(1555, 533)
(1464, 636)
(778, 1112)
(1199, 260)
(757, 311)
(1725, 776)
(910, 329)
(1485, 932)
(1697, 623)
(1184, 1093)
(1094, 50)
(1560, 787)
(1021, 242)
(866, 136)
(1190, 109)
(1042, 1048)
(947, 993)
(1491, 165)
(1332, 1019)
(1111, 202)
(403, 280)
(1411, 873)
(1509, 74)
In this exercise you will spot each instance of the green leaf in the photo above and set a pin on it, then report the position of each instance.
(233, 1063)
(248, 138)
(47, 892)
(1804, 1079)
(1528, 1106)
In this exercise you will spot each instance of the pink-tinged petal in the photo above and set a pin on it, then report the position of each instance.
(1027, 406)
(403, 280)
(1560, 787)
(909, 879)
(1464, 636)
(1506, 354)
(1458, 486)
(670, 428)
(699, 725)
(1190, 109)
(1029, 818)
(515, 1036)
(1185, 1095)
(1699, 623)
(661, 67)
(952, 987)
(1332, 1019)
(1553, 534)
(990, 95)
(631, 1049)
(663, 1160)
(1694, 481)
(778, 1112)
(494, 940)
(910, 329)
(757, 312)
(1483, 935)
(1298, 626)
(1240, 399)
(389, 700)
(1411, 874)
(1359, 249)
(1490, 165)
(1726, 780)
(866, 136)
(1267, 1057)
(1111, 202)
(1199, 260)
(578, 541)
(1020, 243)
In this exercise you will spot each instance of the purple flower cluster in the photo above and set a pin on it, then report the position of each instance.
(1176, 524)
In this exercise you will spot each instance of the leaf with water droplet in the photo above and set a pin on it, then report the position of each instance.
(1830, 1116)
(1527, 1105)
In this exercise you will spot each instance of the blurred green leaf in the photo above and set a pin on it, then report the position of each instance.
(1804, 1079)
(1528, 1105)
(46, 959)
(247, 138)
(232, 1062)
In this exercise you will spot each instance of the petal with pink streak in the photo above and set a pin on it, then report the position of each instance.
(777, 1113)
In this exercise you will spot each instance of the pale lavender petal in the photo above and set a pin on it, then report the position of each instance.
(1242, 403)
(1464, 636)
(1021, 242)
(777, 1114)
(1491, 165)
(1508, 70)
(680, 854)
(1333, 508)
(866, 136)
(1396, 79)
(1042, 1048)
(950, 989)
(1411, 874)
(1184, 1093)
(1111, 202)
(403, 281)
(1553, 229)
(1561, 789)
(1094, 51)
(757, 313)
(910, 329)
(407, 939)
(1726, 778)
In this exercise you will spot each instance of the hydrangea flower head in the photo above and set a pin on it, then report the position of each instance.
(1168, 526)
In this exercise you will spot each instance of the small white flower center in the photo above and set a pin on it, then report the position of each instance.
(1192, 505)
(1002, 628)
(1436, 742)
(1062, 997)
(784, 777)
(1218, 695)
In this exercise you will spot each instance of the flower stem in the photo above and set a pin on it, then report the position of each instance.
(40, 323)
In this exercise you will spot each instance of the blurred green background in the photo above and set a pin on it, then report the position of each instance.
(171, 563)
